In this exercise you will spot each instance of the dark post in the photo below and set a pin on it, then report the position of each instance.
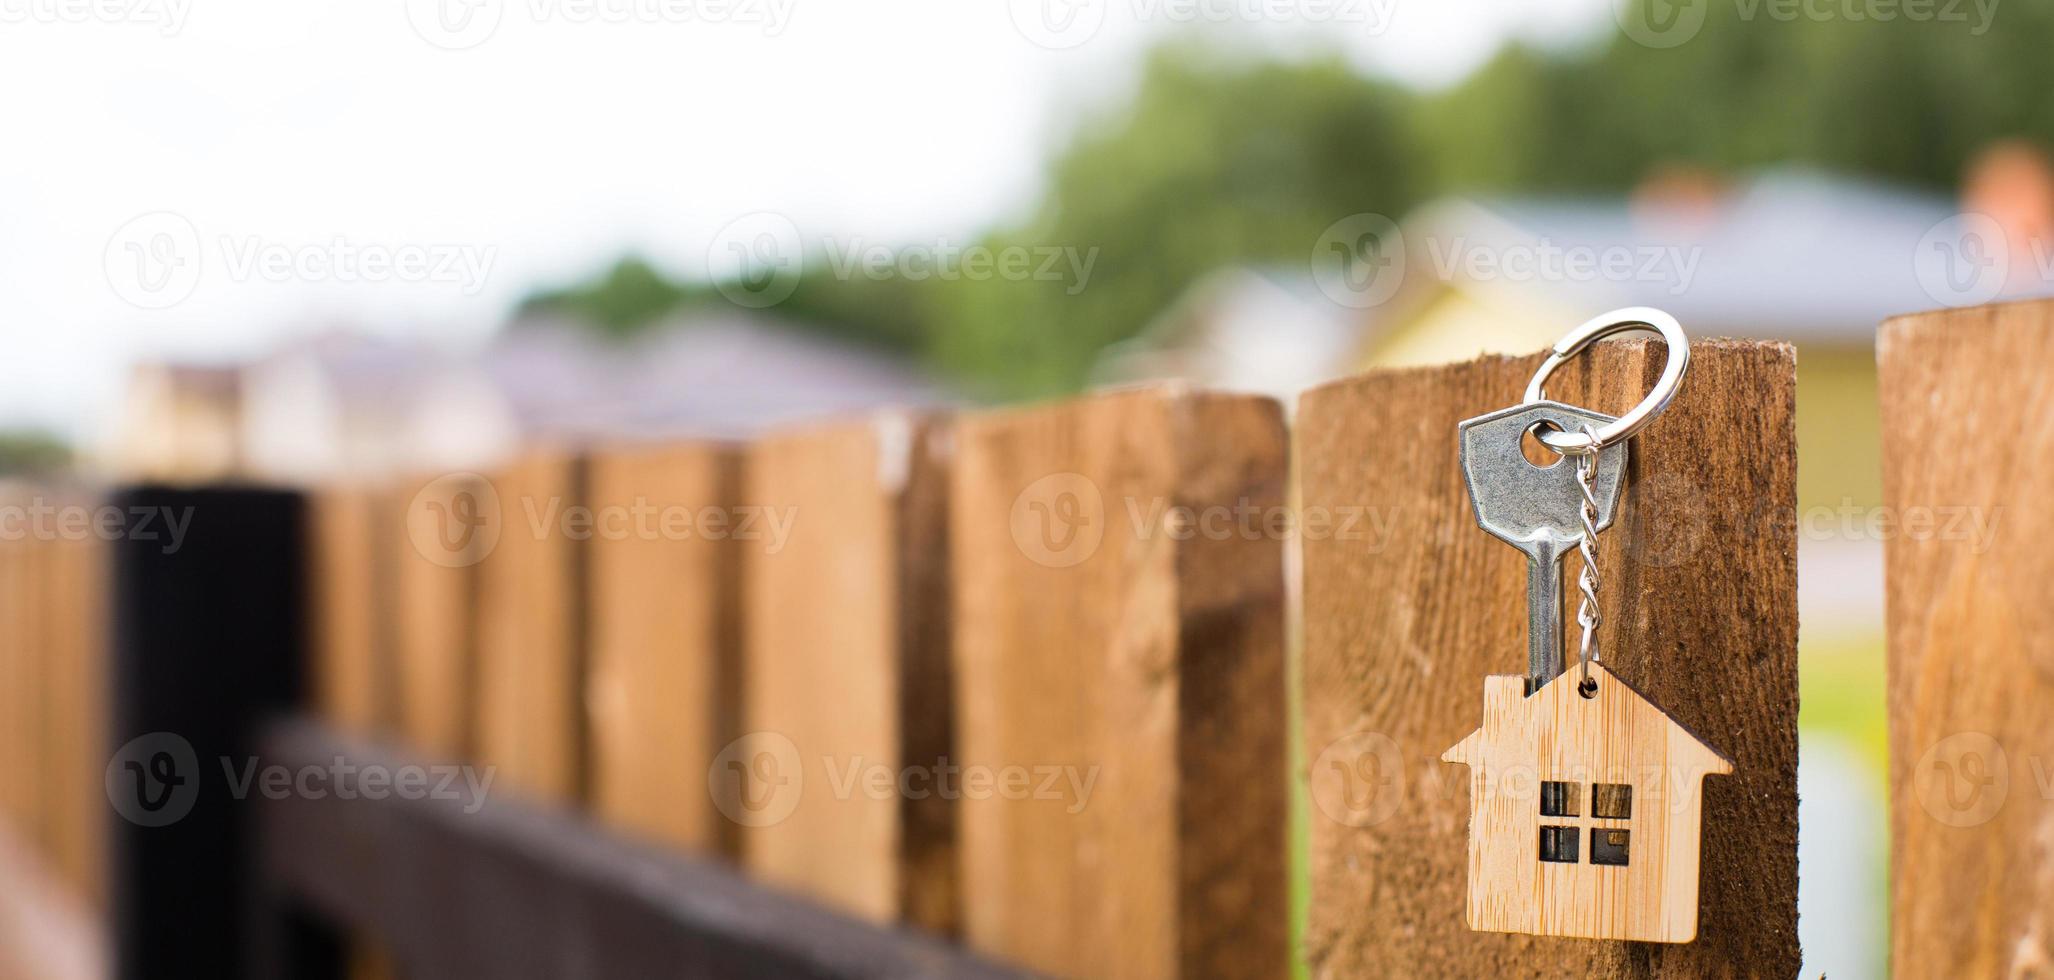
(207, 639)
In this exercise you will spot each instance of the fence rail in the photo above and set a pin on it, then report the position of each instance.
(466, 886)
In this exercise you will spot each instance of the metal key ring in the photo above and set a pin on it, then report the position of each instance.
(1598, 328)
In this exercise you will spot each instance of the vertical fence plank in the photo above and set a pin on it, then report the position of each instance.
(1968, 451)
(77, 696)
(1119, 641)
(1408, 606)
(353, 679)
(845, 676)
(18, 699)
(531, 711)
(445, 525)
(663, 672)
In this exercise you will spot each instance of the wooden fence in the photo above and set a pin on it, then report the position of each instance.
(1010, 690)
(1968, 430)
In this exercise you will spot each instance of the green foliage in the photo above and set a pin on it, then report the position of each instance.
(628, 297)
(1221, 158)
(1217, 161)
(32, 453)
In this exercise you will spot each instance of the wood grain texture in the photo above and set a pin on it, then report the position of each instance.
(433, 596)
(1119, 628)
(1410, 608)
(531, 637)
(29, 721)
(1613, 738)
(76, 689)
(1968, 440)
(843, 664)
(664, 668)
(348, 555)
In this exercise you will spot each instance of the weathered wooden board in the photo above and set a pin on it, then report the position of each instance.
(446, 525)
(77, 695)
(531, 637)
(22, 674)
(1968, 451)
(348, 551)
(1408, 606)
(847, 669)
(664, 672)
(1119, 635)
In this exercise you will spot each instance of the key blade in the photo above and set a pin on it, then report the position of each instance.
(1537, 509)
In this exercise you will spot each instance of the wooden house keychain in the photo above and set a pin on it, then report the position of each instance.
(1585, 798)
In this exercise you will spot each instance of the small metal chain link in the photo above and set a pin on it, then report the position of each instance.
(1587, 614)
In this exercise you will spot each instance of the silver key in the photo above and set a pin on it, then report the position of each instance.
(1537, 509)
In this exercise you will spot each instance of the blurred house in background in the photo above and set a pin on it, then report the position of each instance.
(179, 423)
(343, 406)
(1270, 331)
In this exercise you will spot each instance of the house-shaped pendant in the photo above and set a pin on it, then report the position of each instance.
(1585, 813)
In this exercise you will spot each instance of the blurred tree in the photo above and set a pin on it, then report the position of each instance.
(1218, 160)
(1907, 98)
(32, 453)
(1226, 158)
(621, 302)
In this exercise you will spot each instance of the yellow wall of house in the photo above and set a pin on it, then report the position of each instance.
(1456, 326)
(1837, 429)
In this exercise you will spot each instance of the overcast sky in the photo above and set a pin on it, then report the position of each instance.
(199, 178)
